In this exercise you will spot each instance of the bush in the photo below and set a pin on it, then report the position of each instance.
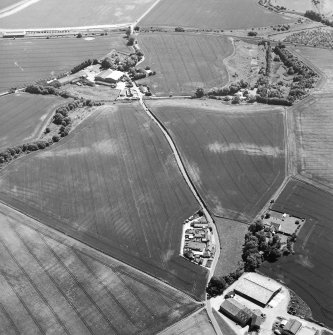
(252, 33)
(55, 138)
(199, 93)
(216, 286)
(179, 29)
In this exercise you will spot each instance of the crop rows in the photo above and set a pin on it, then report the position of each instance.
(113, 184)
(235, 157)
(224, 14)
(185, 62)
(25, 61)
(50, 285)
(22, 116)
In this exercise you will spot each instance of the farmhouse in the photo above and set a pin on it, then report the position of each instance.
(292, 327)
(236, 311)
(282, 222)
(196, 246)
(109, 76)
(257, 288)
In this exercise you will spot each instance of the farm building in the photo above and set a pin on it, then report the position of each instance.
(283, 222)
(257, 288)
(11, 34)
(236, 311)
(109, 76)
(292, 327)
(196, 246)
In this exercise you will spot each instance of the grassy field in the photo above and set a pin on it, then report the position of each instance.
(23, 116)
(234, 154)
(324, 6)
(198, 324)
(314, 120)
(184, 62)
(98, 92)
(7, 3)
(231, 235)
(309, 271)
(52, 284)
(26, 61)
(114, 184)
(224, 14)
(76, 13)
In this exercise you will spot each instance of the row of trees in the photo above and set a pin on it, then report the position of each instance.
(318, 17)
(46, 90)
(83, 65)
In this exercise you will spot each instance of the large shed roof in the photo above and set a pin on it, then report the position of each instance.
(293, 326)
(257, 287)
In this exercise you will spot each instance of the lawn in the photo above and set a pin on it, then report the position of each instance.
(309, 271)
(231, 235)
(215, 14)
(23, 116)
(76, 13)
(199, 324)
(184, 62)
(314, 120)
(52, 284)
(114, 184)
(24, 61)
(234, 154)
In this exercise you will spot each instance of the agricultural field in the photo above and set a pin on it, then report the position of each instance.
(98, 92)
(198, 324)
(224, 326)
(184, 62)
(23, 117)
(76, 13)
(113, 183)
(224, 14)
(321, 38)
(314, 122)
(24, 61)
(6, 3)
(309, 271)
(234, 154)
(51, 284)
(231, 235)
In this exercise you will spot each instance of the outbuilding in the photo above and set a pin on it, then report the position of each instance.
(292, 327)
(109, 76)
(236, 311)
(257, 288)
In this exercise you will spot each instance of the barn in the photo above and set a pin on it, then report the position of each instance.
(109, 76)
(257, 288)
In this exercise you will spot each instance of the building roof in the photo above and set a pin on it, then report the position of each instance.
(257, 287)
(293, 326)
(196, 245)
(236, 309)
(110, 74)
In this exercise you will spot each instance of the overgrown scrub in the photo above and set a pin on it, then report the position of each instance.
(83, 65)
(46, 90)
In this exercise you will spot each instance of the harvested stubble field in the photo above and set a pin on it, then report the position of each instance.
(222, 14)
(198, 324)
(234, 154)
(231, 236)
(76, 13)
(51, 284)
(314, 120)
(184, 62)
(24, 61)
(114, 184)
(309, 271)
(23, 116)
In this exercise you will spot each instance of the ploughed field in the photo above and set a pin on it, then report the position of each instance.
(23, 117)
(184, 62)
(234, 154)
(76, 13)
(24, 61)
(314, 121)
(310, 271)
(52, 284)
(113, 183)
(215, 14)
